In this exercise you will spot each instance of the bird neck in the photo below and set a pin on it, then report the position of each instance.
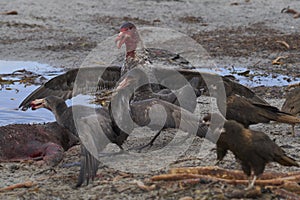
(58, 110)
(130, 55)
(136, 54)
(120, 111)
(136, 58)
(235, 132)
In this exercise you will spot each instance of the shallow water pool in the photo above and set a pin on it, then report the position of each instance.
(253, 78)
(12, 92)
(14, 87)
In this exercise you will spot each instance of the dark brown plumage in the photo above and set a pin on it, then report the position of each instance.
(253, 148)
(247, 112)
(143, 112)
(209, 82)
(88, 121)
(184, 97)
(154, 112)
(62, 85)
(292, 104)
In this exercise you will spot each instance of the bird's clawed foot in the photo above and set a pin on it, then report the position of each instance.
(251, 183)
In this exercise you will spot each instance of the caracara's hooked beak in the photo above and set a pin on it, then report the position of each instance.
(38, 103)
(122, 38)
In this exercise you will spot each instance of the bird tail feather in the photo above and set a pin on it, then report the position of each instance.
(286, 118)
(275, 114)
(88, 167)
(287, 161)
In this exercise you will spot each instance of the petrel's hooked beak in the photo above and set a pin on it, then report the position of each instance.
(36, 104)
